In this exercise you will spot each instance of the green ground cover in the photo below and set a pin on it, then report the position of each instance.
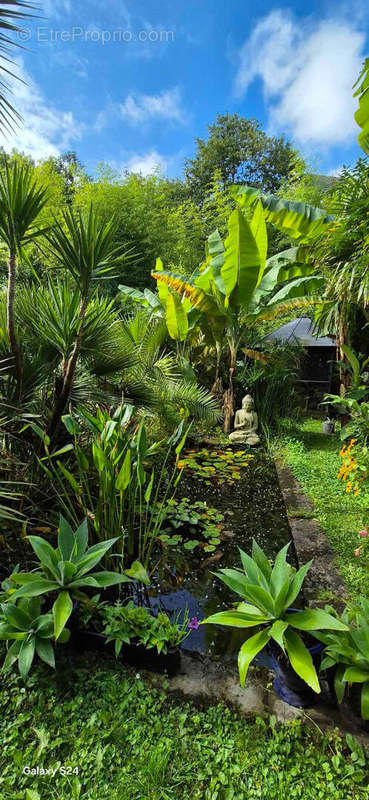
(131, 741)
(315, 462)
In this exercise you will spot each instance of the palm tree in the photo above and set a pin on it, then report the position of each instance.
(342, 255)
(83, 246)
(118, 359)
(12, 12)
(21, 201)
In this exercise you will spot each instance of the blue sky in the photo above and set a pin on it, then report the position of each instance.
(133, 83)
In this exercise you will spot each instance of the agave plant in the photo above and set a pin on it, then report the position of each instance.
(348, 652)
(268, 593)
(65, 570)
(30, 633)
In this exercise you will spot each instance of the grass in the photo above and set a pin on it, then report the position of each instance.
(130, 741)
(314, 460)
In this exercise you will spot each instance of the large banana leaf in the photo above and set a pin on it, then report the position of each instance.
(245, 254)
(146, 299)
(163, 290)
(300, 287)
(362, 114)
(283, 267)
(300, 220)
(176, 317)
(216, 253)
(285, 307)
(198, 298)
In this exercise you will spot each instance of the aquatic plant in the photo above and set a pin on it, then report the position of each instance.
(185, 520)
(219, 465)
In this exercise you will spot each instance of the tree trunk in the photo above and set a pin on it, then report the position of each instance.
(344, 376)
(13, 341)
(62, 399)
(217, 387)
(228, 396)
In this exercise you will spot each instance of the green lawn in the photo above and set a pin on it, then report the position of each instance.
(130, 741)
(314, 460)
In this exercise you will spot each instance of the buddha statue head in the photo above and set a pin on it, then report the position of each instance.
(248, 403)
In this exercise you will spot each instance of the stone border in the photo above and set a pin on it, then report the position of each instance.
(310, 543)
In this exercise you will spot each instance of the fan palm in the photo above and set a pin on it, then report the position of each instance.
(118, 357)
(21, 201)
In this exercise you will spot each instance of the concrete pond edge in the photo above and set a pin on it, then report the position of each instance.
(206, 681)
(323, 583)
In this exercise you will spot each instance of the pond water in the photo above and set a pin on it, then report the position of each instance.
(253, 508)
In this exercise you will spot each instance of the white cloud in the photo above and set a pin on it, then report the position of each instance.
(307, 74)
(147, 163)
(45, 130)
(139, 108)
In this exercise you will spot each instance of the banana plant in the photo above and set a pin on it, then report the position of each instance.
(65, 570)
(268, 593)
(237, 283)
(164, 305)
(30, 633)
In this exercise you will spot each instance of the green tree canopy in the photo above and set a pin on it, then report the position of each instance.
(242, 152)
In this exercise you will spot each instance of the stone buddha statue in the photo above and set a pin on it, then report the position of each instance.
(245, 423)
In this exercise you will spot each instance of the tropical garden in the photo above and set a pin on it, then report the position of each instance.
(138, 540)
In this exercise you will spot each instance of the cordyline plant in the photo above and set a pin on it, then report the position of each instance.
(21, 201)
(65, 570)
(267, 595)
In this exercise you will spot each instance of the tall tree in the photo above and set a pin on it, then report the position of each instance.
(83, 246)
(242, 152)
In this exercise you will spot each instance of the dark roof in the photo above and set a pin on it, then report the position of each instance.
(299, 331)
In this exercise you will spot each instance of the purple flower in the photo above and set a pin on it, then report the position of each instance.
(194, 624)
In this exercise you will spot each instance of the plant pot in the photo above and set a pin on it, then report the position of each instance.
(328, 427)
(350, 708)
(135, 655)
(287, 684)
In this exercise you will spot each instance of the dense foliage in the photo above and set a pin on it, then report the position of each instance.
(128, 741)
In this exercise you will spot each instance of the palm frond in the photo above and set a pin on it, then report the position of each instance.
(12, 14)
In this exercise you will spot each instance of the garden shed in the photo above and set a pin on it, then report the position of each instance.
(317, 367)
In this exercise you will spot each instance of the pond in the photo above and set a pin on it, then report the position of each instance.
(253, 508)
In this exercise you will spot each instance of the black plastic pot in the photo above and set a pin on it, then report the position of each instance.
(350, 708)
(287, 684)
(135, 655)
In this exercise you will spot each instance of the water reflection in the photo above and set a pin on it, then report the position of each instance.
(253, 509)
